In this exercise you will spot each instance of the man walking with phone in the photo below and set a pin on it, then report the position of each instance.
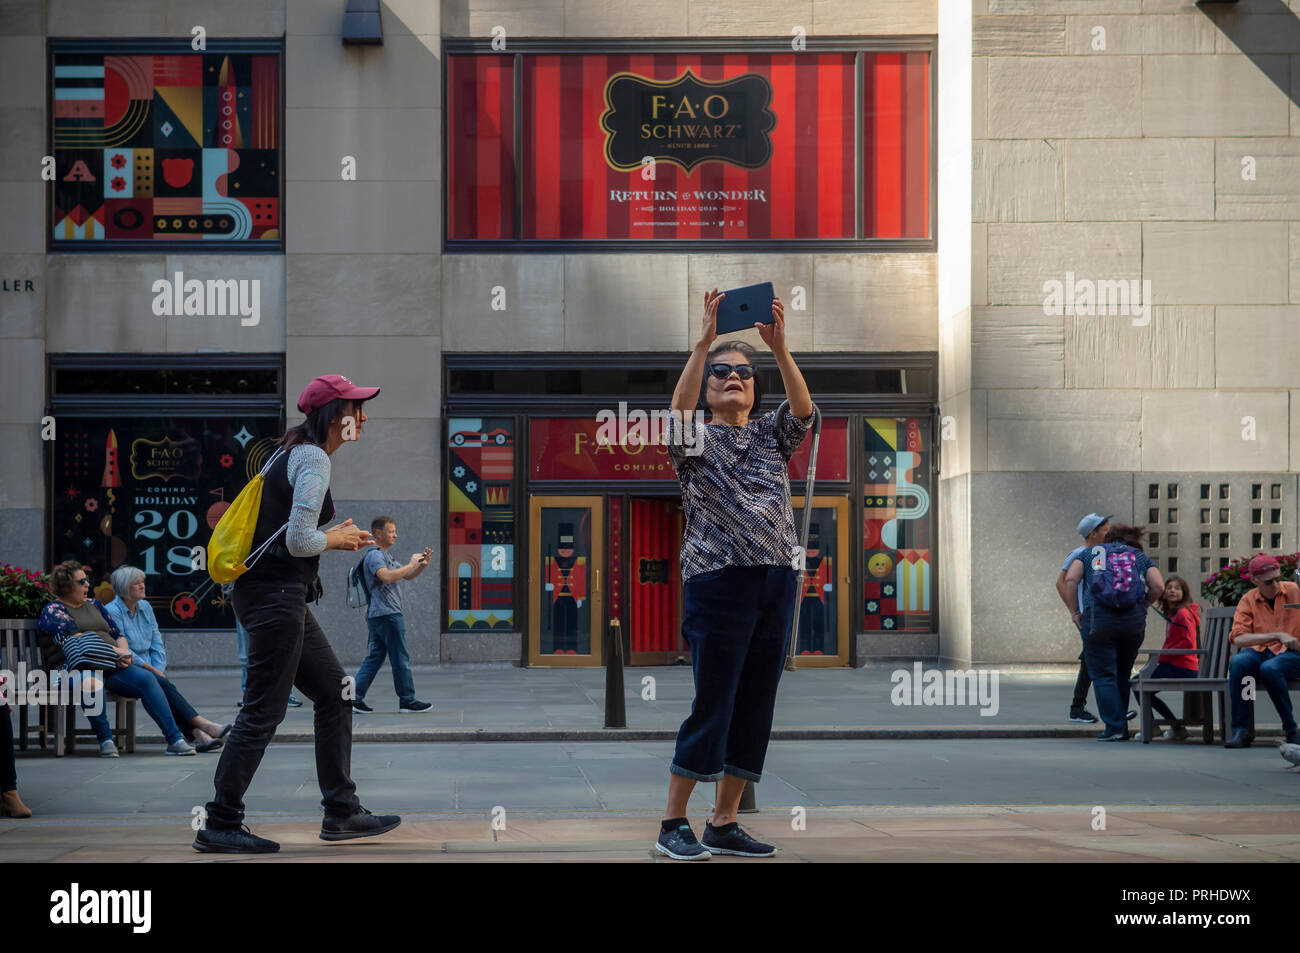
(382, 573)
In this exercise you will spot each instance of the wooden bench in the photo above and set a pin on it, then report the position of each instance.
(1199, 688)
(22, 646)
(1211, 680)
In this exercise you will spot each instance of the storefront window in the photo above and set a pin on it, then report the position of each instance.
(898, 525)
(688, 146)
(144, 491)
(153, 146)
(480, 523)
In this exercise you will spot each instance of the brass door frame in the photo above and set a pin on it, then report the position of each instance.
(843, 579)
(598, 621)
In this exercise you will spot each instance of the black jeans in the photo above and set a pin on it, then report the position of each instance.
(8, 768)
(1110, 648)
(286, 649)
(737, 623)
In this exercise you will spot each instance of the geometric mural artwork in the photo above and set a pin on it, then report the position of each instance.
(480, 523)
(897, 527)
(178, 146)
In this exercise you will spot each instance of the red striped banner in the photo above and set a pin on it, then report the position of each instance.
(805, 190)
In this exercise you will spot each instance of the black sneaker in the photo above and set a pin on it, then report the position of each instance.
(361, 706)
(1082, 716)
(414, 707)
(1113, 736)
(237, 841)
(360, 824)
(294, 703)
(679, 843)
(1129, 716)
(731, 839)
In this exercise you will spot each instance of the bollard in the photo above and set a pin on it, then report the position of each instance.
(615, 704)
(747, 803)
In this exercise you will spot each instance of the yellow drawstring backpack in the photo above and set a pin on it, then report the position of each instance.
(232, 538)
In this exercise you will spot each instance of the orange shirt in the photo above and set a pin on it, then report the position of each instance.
(1255, 614)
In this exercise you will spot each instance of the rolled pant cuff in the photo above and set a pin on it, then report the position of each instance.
(675, 768)
(736, 772)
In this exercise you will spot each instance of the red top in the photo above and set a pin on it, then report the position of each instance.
(1181, 634)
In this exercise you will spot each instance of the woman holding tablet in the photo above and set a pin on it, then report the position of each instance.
(738, 555)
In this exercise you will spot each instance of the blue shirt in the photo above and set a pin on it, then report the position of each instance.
(141, 631)
(385, 599)
(1106, 615)
(1085, 597)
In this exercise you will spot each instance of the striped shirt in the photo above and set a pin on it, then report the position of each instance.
(736, 491)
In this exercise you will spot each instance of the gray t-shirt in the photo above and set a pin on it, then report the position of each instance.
(384, 599)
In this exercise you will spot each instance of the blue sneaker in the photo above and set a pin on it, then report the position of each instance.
(679, 843)
(731, 839)
(293, 702)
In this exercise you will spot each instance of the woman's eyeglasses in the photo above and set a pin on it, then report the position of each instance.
(723, 371)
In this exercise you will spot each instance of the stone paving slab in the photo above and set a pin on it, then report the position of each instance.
(992, 833)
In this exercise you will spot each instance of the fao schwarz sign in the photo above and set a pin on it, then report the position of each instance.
(687, 121)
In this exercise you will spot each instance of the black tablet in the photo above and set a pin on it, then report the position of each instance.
(742, 307)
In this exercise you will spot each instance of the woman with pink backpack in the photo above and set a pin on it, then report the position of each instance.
(1122, 582)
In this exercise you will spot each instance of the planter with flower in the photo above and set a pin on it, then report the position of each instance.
(1229, 584)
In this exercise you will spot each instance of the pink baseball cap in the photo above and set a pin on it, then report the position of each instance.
(324, 389)
(1261, 563)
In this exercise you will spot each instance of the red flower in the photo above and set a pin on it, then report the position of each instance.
(119, 183)
(92, 504)
(186, 607)
(227, 461)
(118, 160)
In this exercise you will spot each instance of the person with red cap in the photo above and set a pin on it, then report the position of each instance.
(286, 646)
(1266, 630)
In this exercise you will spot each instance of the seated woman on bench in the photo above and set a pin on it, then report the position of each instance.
(74, 612)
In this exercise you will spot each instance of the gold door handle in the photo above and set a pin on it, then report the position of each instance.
(597, 589)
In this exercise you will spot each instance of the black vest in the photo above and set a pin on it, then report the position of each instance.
(275, 564)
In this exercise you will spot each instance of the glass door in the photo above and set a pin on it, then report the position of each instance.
(565, 557)
(824, 611)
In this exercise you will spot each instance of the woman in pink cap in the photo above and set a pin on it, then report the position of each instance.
(286, 645)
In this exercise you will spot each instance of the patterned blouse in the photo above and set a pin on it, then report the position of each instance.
(736, 491)
(57, 622)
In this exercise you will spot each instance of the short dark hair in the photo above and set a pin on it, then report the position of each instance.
(61, 576)
(1126, 534)
(739, 347)
(379, 522)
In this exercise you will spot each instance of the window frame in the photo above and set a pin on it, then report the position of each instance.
(909, 43)
(146, 46)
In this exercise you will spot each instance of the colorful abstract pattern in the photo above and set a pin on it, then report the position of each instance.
(178, 147)
(897, 526)
(480, 523)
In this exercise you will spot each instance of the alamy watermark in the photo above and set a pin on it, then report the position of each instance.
(946, 687)
(209, 298)
(1088, 298)
(34, 688)
(659, 427)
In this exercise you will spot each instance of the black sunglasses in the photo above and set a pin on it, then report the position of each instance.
(81, 582)
(723, 371)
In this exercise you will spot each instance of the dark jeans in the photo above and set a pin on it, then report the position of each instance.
(1270, 671)
(1168, 670)
(161, 699)
(737, 623)
(1110, 649)
(388, 638)
(286, 648)
(1081, 684)
(8, 768)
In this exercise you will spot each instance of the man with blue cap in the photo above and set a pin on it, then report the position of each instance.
(1093, 529)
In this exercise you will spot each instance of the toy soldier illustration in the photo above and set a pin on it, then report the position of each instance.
(566, 581)
(816, 583)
